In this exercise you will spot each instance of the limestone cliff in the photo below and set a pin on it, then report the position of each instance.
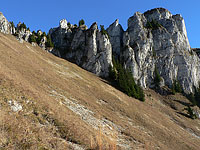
(88, 48)
(159, 39)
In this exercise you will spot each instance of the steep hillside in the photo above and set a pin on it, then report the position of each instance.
(49, 103)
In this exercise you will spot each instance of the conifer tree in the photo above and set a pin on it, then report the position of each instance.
(49, 42)
(81, 22)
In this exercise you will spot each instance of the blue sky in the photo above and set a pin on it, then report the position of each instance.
(44, 14)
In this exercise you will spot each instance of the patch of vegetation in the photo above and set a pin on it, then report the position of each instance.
(49, 42)
(103, 31)
(69, 24)
(157, 77)
(12, 24)
(176, 87)
(43, 34)
(75, 25)
(194, 97)
(81, 22)
(153, 25)
(38, 39)
(125, 82)
(22, 26)
(190, 112)
(32, 38)
(34, 32)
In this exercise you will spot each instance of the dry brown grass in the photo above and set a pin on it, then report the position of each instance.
(30, 73)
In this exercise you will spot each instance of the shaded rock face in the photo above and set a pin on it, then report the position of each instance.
(5, 26)
(89, 48)
(165, 47)
(115, 32)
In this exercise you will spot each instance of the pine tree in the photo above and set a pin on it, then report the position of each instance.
(49, 42)
(81, 22)
(32, 38)
(125, 81)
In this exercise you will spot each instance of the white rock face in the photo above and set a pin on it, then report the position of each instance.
(63, 24)
(5, 26)
(115, 32)
(43, 42)
(88, 48)
(166, 47)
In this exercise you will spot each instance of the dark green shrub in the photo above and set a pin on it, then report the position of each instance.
(157, 77)
(75, 25)
(125, 81)
(22, 26)
(34, 32)
(43, 34)
(69, 24)
(38, 39)
(32, 38)
(194, 97)
(153, 25)
(176, 87)
(190, 112)
(81, 22)
(103, 31)
(49, 42)
(12, 24)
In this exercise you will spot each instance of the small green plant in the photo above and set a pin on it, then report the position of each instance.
(81, 22)
(157, 77)
(190, 112)
(69, 24)
(103, 31)
(153, 25)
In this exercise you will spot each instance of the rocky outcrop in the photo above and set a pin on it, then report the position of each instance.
(154, 39)
(115, 32)
(5, 26)
(159, 39)
(88, 48)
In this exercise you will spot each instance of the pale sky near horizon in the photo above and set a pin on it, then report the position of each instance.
(45, 14)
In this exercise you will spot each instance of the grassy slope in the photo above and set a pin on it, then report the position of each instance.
(65, 107)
